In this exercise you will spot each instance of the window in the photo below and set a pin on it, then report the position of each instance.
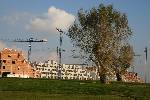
(66, 77)
(3, 67)
(4, 61)
(9, 55)
(13, 62)
(18, 55)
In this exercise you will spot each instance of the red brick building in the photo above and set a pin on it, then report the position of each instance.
(132, 77)
(13, 64)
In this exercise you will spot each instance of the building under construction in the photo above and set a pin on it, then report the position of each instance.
(13, 64)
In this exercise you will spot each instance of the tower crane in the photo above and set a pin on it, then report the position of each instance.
(59, 52)
(30, 40)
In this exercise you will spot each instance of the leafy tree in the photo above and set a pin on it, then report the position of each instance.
(100, 32)
(123, 60)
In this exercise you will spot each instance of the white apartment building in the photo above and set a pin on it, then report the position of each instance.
(47, 69)
(51, 69)
(77, 71)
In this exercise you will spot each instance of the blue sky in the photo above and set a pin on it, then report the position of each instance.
(24, 19)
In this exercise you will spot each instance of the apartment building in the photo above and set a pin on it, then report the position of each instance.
(78, 71)
(51, 69)
(48, 69)
(13, 64)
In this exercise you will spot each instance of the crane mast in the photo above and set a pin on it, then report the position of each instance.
(59, 52)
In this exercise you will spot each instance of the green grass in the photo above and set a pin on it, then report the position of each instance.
(16, 95)
(45, 89)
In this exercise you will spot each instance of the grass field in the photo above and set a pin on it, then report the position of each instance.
(45, 89)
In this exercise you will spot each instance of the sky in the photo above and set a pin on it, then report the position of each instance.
(39, 18)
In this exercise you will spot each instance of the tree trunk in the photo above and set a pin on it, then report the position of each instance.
(103, 78)
(119, 78)
(101, 74)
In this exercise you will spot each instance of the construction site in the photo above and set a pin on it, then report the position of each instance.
(14, 64)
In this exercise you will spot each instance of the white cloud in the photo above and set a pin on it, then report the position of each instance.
(44, 56)
(10, 19)
(2, 45)
(16, 18)
(53, 18)
(53, 56)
